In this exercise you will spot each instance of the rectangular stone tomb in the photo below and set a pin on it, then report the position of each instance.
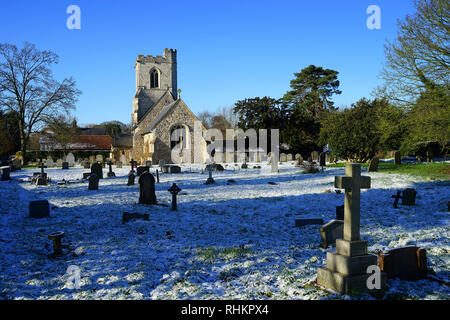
(307, 221)
(39, 209)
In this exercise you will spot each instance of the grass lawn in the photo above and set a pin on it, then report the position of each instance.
(435, 170)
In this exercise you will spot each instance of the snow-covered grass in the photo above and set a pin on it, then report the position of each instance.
(230, 240)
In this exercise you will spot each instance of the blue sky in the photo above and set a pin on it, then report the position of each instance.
(227, 50)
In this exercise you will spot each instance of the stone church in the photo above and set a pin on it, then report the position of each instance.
(162, 123)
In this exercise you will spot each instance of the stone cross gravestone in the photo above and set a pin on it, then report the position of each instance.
(147, 189)
(373, 165)
(174, 190)
(346, 269)
(110, 172)
(93, 181)
(97, 169)
(133, 164)
(42, 179)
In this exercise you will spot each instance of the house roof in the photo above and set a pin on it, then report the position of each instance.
(91, 142)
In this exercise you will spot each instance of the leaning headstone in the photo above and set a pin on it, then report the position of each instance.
(397, 157)
(39, 209)
(315, 156)
(330, 232)
(147, 189)
(407, 263)
(141, 169)
(5, 170)
(346, 269)
(97, 169)
(65, 165)
(373, 165)
(93, 181)
(70, 158)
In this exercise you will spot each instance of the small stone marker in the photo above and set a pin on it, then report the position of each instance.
(397, 157)
(57, 246)
(39, 209)
(305, 222)
(130, 216)
(373, 165)
(110, 172)
(147, 189)
(340, 213)
(93, 181)
(141, 169)
(174, 190)
(346, 269)
(97, 169)
(407, 263)
(131, 178)
(157, 176)
(171, 169)
(210, 179)
(6, 170)
(330, 232)
(65, 165)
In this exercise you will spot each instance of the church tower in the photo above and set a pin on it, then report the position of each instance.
(155, 75)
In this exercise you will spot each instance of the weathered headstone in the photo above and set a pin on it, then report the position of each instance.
(171, 169)
(141, 169)
(373, 165)
(110, 172)
(282, 157)
(397, 157)
(273, 162)
(346, 269)
(174, 190)
(70, 158)
(315, 156)
(93, 181)
(65, 165)
(297, 156)
(91, 159)
(17, 163)
(157, 176)
(330, 232)
(289, 157)
(407, 263)
(162, 163)
(299, 161)
(5, 170)
(99, 158)
(97, 169)
(39, 209)
(131, 178)
(147, 189)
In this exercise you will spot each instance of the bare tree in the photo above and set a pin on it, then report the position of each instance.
(28, 88)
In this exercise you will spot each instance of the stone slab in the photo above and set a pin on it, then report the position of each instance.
(350, 265)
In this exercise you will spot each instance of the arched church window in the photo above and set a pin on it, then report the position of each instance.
(178, 135)
(154, 79)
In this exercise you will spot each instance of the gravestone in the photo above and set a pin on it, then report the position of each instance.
(131, 178)
(42, 178)
(299, 161)
(91, 159)
(141, 169)
(305, 222)
(133, 164)
(174, 190)
(315, 156)
(346, 269)
(157, 176)
(407, 263)
(147, 189)
(110, 172)
(39, 209)
(59, 163)
(17, 163)
(409, 197)
(282, 157)
(340, 213)
(210, 179)
(289, 157)
(49, 163)
(57, 245)
(331, 231)
(397, 157)
(93, 181)
(171, 169)
(99, 158)
(97, 169)
(119, 164)
(70, 158)
(373, 165)
(65, 165)
(6, 170)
